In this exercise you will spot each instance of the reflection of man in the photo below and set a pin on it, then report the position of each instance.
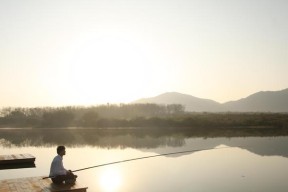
(58, 173)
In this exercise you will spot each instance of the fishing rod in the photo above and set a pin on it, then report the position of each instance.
(145, 157)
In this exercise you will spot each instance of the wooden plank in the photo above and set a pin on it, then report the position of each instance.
(37, 184)
(22, 156)
(16, 158)
(26, 155)
(8, 157)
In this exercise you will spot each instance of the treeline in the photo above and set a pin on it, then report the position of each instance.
(122, 115)
(137, 115)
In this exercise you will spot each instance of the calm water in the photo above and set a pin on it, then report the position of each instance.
(253, 164)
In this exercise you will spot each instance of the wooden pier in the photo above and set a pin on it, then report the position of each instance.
(37, 184)
(17, 166)
(16, 159)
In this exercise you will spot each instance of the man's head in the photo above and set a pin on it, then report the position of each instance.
(61, 150)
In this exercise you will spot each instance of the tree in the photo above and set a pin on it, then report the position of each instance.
(58, 118)
(90, 118)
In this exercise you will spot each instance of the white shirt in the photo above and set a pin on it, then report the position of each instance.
(57, 167)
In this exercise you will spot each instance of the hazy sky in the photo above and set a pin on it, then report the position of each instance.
(71, 52)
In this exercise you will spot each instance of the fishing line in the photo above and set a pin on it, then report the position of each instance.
(145, 157)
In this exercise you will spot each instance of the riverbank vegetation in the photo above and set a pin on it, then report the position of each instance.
(94, 116)
(150, 116)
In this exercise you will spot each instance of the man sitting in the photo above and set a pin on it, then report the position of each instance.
(58, 173)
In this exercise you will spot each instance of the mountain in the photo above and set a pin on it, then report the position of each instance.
(264, 101)
(191, 103)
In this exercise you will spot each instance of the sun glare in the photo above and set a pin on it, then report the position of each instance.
(110, 180)
(107, 70)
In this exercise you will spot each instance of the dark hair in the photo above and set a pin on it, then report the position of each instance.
(60, 148)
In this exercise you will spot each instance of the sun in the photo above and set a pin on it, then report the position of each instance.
(108, 70)
(110, 180)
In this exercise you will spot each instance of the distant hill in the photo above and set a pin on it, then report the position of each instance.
(191, 103)
(264, 101)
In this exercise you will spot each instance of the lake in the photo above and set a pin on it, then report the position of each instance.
(243, 163)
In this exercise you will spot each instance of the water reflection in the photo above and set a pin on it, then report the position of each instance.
(146, 142)
(86, 137)
(110, 179)
(259, 165)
